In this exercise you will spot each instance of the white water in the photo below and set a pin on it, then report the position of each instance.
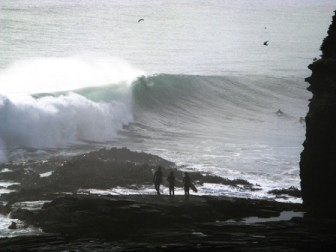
(51, 74)
(59, 122)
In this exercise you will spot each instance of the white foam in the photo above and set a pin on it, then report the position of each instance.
(21, 230)
(7, 183)
(5, 170)
(52, 122)
(46, 174)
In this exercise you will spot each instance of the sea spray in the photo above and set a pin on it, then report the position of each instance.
(50, 119)
(51, 122)
(43, 75)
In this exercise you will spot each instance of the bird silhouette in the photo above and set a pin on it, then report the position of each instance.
(266, 43)
(141, 20)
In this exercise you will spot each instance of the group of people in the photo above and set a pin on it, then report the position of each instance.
(157, 180)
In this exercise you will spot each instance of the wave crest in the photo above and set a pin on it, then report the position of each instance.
(51, 122)
(41, 75)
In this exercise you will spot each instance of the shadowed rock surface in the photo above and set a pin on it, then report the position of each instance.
(72, 221)
(102, 169)
(318, 159)
(150, 222)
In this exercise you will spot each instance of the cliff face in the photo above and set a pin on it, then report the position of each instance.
(318, 159)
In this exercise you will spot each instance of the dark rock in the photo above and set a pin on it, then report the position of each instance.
(152, 223)
(117, 217)
(318, 159)
(12, 225)
(291, 191)
(14, 187)
(102, 169)
(328, 45)
(25, 176)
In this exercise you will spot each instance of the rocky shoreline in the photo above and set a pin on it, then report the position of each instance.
(73, 221)
(103, 169)
(153, 223)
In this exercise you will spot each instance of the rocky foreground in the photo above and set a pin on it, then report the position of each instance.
(154, 223)
(83, 222)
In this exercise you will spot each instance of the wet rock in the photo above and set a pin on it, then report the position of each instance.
(102, 169)
(92, 215)
(152, 223)
(291, 191)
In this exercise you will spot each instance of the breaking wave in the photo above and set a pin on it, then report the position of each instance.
(40, 107)
(76, 101)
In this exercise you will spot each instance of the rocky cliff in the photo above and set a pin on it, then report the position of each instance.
(318, 159)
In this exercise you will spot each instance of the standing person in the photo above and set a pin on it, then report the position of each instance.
(171, 181)
(186, 185)
(157, 179)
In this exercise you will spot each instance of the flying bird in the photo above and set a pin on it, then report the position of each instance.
(141, 20)
(266, 43)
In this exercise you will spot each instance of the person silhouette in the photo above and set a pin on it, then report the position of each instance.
(171, 181)
(186, 185)
(279, 112)
(157, 179)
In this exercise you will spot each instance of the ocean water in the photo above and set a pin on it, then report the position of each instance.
(192, 83)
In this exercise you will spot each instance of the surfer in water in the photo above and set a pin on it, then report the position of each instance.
(186, 185)
(279, 112)
(157, 179)
(144, 82)
(171, 181)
